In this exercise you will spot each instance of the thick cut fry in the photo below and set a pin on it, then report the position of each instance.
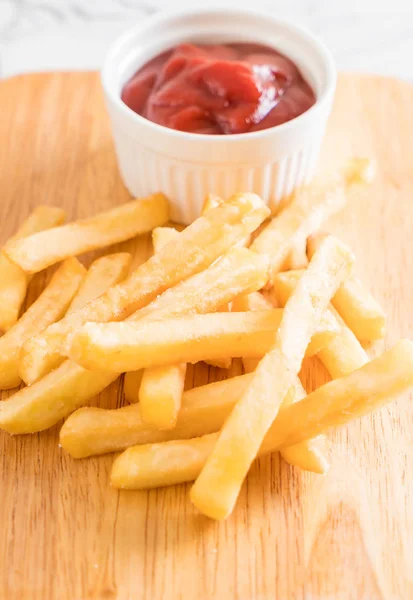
(309, 208)
(336, 403)
(344, 353)
(49, 306)
(102, 274)
(70, 386)
(310, 455)
(91, 430)
(355, 304)
(13, 280)
(160, 395)
(44, 403)
(212, 201)
(197, 247)
(45, 248)
(254, 301)
(120, 347)
(131, 386)
(161, 388)
(217, 488)
(297, 257)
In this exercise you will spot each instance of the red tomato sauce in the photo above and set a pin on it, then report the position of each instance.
(219, 89)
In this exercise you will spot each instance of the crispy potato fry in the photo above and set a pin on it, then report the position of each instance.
(254, 301)
(102, 274)
(90, 430)
(217, 487)
(211, 201)
(297, 257)
(344, 353)
(160, 395)
(309, 208)
(197, 247)
(59, 393)
(336, 403)
(310, 455)
(49, 306)
(44, 403)
(355, 304)
(40, 250)
(161, 388)
(126, 346)
(131, 386)
(13, 280)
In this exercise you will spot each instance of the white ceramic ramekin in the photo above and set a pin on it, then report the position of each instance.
(186, 166)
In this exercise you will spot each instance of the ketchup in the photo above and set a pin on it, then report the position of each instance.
(219, 89)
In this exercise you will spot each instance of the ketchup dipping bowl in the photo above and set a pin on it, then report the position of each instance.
(187, 166)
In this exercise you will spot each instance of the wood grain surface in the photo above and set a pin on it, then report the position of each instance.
(65, 535)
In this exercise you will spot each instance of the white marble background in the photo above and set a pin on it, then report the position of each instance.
(38, 35)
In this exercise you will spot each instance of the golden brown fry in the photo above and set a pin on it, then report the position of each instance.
(161, 388)
(91, 430)
(336, 403)
(127, 346)
(344, 353)
(197, 247)
(13, 280)
(211, 201)
(121, 223)
(309, 208)
(59, 393)
(44, 403)
(160, 395)
(297, 257)
(355, 304)
(102, 274)
(49, 306)
(131, 386)
(217, 488)
(310, 455)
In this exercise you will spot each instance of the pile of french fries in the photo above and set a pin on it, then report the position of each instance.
(237, 289)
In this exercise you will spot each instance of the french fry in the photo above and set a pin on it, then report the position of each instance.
(90, 430)
(309, 208)
(120, 347)
(197, 247)
(49, 306)
(355, 304)
(297, 257)
(131, 386)
(344, 353)
(217, 487)
(310, 456)
(101, 275)
(161, 388)
(13, 280)
(60, 392)
(42, 249)
(336, 403)
(46, 402)
(212, 201)
(160, 395)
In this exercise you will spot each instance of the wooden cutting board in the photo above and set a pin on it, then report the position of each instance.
(65, 535)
